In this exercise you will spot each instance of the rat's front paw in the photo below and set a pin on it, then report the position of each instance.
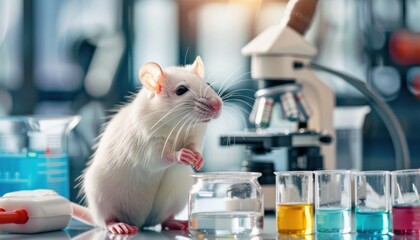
(200, 160)
(121, 228)
(188, 157)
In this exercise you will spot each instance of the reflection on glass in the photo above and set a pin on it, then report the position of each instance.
(375, 237)
(295, 237)
(332, 236)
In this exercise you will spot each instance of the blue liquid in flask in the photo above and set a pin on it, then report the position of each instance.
(373, 221)
(330, 220)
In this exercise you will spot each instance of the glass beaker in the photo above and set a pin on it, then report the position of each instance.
(406, 202)
(226, 204)
(294, 213)
(333, 201)
(33, 153)
(373, 202)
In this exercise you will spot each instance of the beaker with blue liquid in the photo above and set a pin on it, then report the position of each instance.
(33, 153)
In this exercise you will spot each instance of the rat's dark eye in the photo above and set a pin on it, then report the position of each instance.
(210, 86)
(181, 90)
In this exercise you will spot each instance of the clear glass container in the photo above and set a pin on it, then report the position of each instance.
(226, 204)
(372, 202)
(406, 202)
(294, 198)
(333, 201)
(33, 153)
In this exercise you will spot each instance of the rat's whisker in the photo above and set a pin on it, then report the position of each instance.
(228, 77)
(234, 95)
(190, 126)
(175, 143)
(229, 115)
(230, 104)
(170, 133)
(234, 82)
(194, 92)
(240, 101)
(167, 114)
(241, 115)
(186, 54)
(237, 99)
(168, 119)
(242, 90)
(209, 77)
(207, 88)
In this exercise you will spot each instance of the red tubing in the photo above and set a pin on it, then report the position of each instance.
(17, 217)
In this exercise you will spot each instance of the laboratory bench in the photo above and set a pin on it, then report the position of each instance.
(80, 231)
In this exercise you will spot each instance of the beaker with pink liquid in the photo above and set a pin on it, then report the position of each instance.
(406, 202)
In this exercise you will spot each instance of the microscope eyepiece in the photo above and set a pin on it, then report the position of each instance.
(300, 14)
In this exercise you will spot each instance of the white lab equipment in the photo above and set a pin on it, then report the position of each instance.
(348, 123)
(34, 212)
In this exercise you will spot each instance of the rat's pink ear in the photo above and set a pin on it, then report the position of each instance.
(198, 67)
(151, 76)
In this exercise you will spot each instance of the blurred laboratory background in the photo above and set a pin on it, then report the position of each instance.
(81, 57)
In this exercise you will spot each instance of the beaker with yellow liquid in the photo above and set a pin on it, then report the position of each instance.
(294, 212)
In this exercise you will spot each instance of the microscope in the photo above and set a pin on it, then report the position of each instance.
(278, 56)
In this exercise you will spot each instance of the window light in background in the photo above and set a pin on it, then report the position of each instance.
(10, 44)
(10, 52)
(413, 16)
(336, 34)
(222, 30)
(385, 19)
(61, 25)
(271, 13)
(54, 69)
(155, 39)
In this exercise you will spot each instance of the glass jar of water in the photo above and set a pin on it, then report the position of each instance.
(226, 204)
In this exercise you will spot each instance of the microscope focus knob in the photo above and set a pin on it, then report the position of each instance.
(326, 138)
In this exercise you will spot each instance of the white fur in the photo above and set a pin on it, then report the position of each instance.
(127, 179)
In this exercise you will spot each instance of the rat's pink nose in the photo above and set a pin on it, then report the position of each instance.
(215, 105)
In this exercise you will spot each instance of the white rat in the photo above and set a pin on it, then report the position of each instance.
(140, 173)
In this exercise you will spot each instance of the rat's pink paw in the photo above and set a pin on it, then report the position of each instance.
(121, 228)
(173, 224)
(188, 157)
(200, 160)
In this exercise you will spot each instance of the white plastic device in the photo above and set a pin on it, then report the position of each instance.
(46, 211)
